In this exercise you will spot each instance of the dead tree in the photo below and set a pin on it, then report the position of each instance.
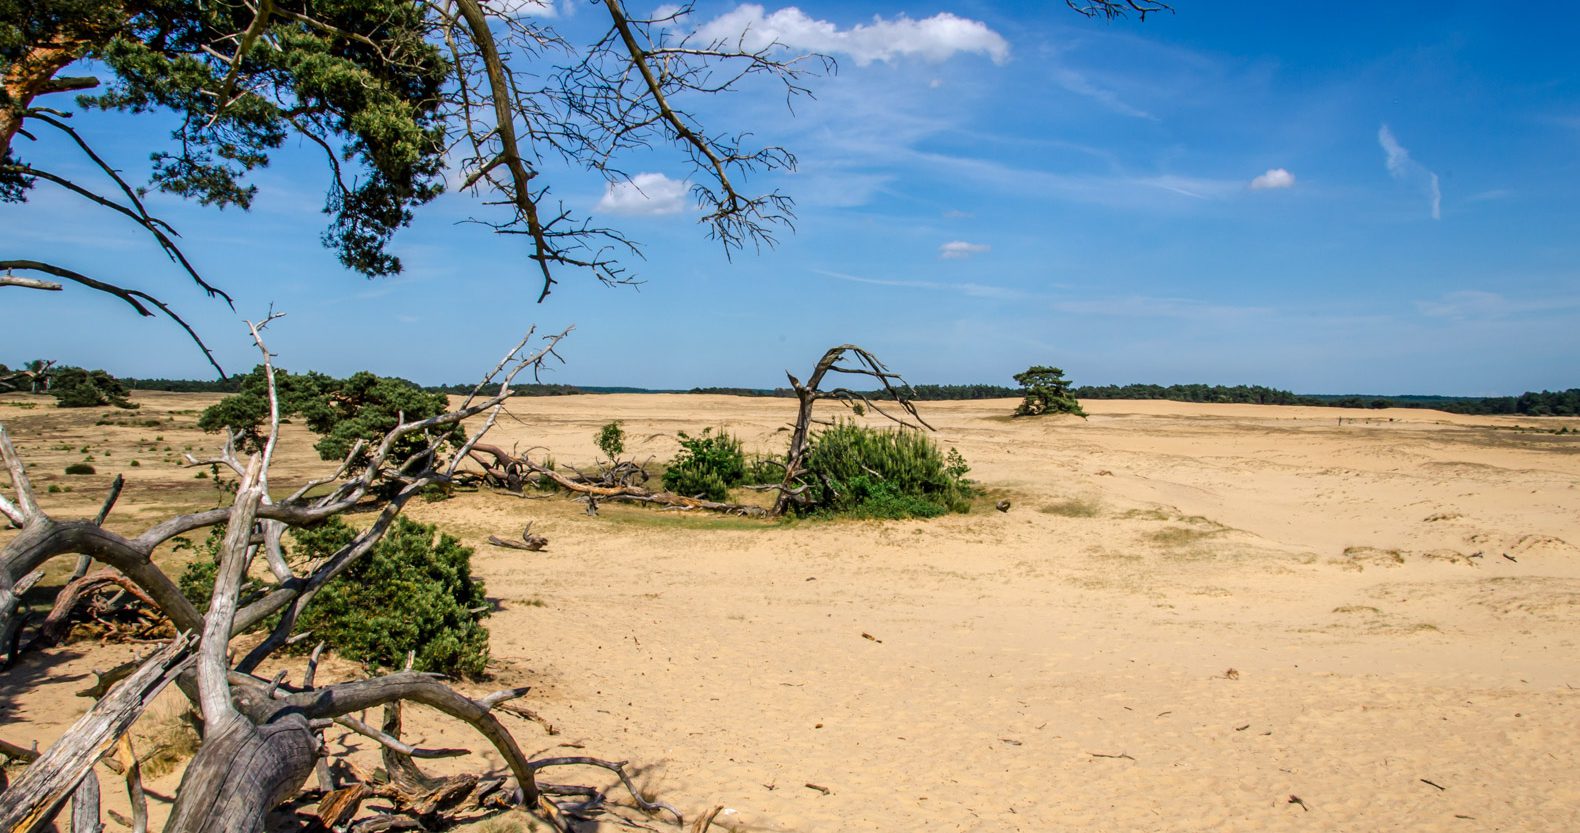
(260, 737)
(893, 387)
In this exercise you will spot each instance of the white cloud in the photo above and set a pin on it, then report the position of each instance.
(934, 38)
(960, 249)
(644, 194)
(1274, 178)
(1405, 169)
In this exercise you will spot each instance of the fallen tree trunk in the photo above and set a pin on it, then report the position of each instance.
(502, 465)
(32, 801)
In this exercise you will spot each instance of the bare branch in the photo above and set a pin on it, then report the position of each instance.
(130, 296)
(30, 283)
(33, 798)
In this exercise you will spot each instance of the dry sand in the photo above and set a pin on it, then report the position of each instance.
(1191, 615)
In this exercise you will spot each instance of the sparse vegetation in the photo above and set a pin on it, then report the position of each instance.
(1074, 507)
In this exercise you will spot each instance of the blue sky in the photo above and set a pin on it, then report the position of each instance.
(1324, 197)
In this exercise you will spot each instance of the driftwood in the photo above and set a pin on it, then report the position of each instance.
(529, 542)
(261, 739)
(499, 466)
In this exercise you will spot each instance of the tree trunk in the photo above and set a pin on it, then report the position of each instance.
(242, 774)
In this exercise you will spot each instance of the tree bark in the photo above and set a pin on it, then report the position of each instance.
(36, 796)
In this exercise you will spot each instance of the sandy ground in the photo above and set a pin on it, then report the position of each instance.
(1191, 617)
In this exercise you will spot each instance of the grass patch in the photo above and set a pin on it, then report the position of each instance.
(1075, 507)
(657, 519)
(1181, 536)
(1357, 609)
(168, 741)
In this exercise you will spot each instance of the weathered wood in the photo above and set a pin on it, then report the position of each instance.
(85, 561)
(85, 805)
(35, 796)
(340, 806)
(57, 624)
(344, 698)
(241, 773)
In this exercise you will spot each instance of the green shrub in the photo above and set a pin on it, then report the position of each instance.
(413, 592)
(883, 473)
(707, 465)
(762, 471)
(74, 387)
(80, 468)
(611, 441)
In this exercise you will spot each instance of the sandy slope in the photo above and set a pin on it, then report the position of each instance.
(1398, 597)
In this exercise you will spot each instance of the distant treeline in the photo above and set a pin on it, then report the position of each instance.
(1533, 403)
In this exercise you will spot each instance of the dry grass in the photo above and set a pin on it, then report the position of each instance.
(1182, 536)
(165, 740)
(1074, 507)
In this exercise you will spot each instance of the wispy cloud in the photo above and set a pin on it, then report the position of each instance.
(935, 38)
(960, 249)
(1075, 82)
(1479, 304)
(1144, 306)
(1274, 178)
(646, 193)
(974, 290)
(1406, 169)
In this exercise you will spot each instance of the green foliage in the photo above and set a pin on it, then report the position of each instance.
(413, 592)
(883, 473)
(707, 465)
(74, 387)
(762, 471)
(342, 411)
(1046, 391)
(80, 468)
(611, 440)
(376, 106)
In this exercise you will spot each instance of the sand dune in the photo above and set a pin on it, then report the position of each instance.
(1191, 616)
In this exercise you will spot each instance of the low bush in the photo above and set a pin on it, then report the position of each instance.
(707, 465)
(74, 387)
(865, 472)
(413, 592)
(80, 468)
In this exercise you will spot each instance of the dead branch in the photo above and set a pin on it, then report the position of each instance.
(33, 799)
(529, 542)
(808, 394)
